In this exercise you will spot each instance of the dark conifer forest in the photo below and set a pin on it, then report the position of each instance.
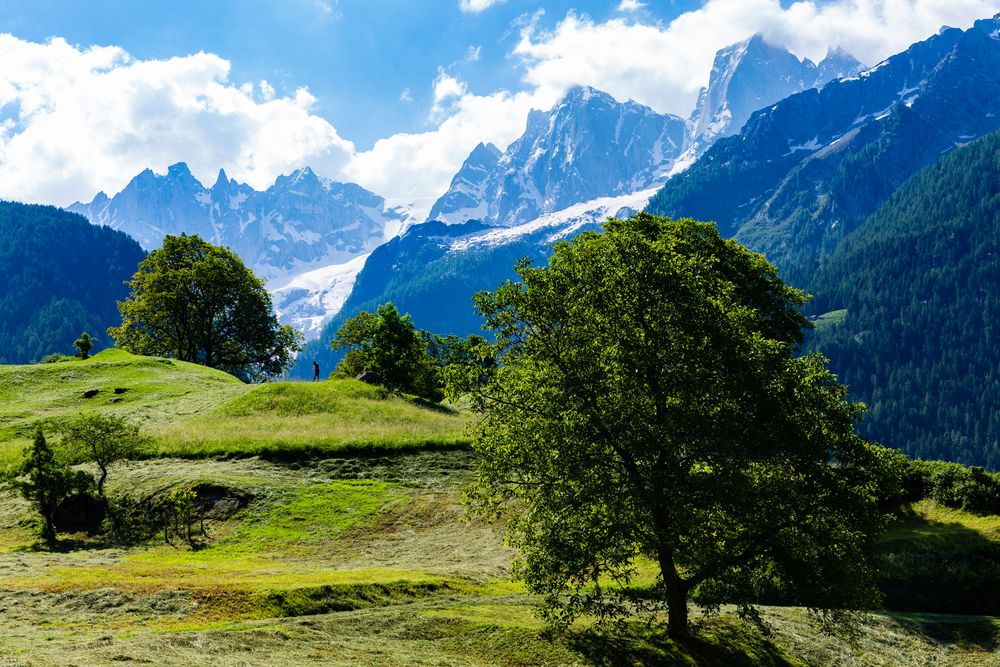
(59, 276)
(919, 342)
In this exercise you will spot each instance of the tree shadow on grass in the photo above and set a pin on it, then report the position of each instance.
(714, 641)
(939, 567)
(68, 545)
(972, 633)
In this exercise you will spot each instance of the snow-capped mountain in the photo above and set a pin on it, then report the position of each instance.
(309, 300)
(838, 64)
(807, 170)
(302, 222)
(751, 75)
(466, 196)
(588, 145)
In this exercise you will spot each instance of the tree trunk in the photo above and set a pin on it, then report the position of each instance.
(677, 592)
(677, 610)
(49, 529)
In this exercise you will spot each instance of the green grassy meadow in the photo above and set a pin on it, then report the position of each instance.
(191, 411)
(337, 535)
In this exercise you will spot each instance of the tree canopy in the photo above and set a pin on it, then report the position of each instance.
(198, 302)
(102, 439)
(647, 405)
(84, 344)
(386, 343)
(46, 481)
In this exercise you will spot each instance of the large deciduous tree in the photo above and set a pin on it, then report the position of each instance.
(648, 406)
(198, 302)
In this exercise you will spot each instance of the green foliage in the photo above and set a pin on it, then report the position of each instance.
(920, 342)
(101, 439)
(53, 358)
(84, 344)
(180, 512)
(387, 344)
(199, 303)
(953, 485)
(45, 481)
(59, 275)
(647, 403)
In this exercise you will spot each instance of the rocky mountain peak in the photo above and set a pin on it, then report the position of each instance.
(587, 145)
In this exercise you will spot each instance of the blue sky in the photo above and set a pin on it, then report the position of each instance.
(356, 56)
(390, 94)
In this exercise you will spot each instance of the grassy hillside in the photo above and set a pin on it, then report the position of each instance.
(348, 543)
(366, 561)
(193, 411)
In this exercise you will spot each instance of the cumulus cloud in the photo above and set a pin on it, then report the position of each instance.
(73, 121)
(475, 6)
(663, 66)
(630, 5)
(447, 86)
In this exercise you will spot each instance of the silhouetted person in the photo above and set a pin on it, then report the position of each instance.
(315, 371)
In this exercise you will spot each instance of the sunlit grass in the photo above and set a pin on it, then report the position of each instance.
(194, 412)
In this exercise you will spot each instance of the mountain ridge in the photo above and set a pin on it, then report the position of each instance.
(301, 222)
(805, 171)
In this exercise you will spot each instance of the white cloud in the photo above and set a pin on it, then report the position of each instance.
(79, 120)
(266, 90)
(663, 66)
(473, 54)
(475, 6)
(73, 121)
(417, 168)
(446, 89)
(406, 95)
(630, 5)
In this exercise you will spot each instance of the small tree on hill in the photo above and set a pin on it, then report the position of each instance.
(102, 439)
(198, 302)
(84, 344)
(647, 404)
(45, 481)
(386, 343)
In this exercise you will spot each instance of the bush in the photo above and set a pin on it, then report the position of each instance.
(952, 485)
(53, 358)
(46, 480)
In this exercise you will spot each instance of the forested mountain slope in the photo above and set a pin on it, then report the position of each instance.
(920, 279)
(59, 276)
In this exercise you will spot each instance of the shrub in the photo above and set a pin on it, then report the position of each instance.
(46, 481)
